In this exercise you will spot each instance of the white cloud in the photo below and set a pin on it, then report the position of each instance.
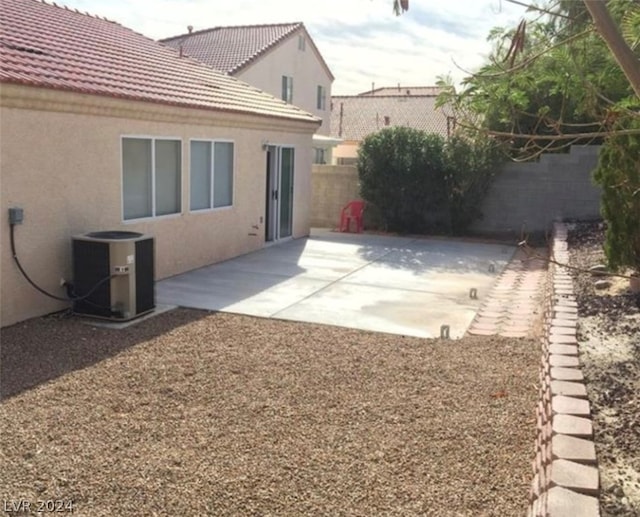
(361, 40)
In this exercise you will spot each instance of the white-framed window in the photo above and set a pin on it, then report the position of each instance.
(319, 155)
(287, 88)
(302, 43)
(321, 103)
(151, 177)
(211, 168)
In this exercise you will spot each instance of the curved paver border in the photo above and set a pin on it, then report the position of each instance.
(566, 478)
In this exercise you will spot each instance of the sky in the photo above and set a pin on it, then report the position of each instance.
(362, 41)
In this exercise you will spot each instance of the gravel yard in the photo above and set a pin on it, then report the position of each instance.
(609, 335)
(194, 413)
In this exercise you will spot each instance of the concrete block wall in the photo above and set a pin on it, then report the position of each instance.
(529, 196)
(565, 471)
(525, 197)
(333, 186)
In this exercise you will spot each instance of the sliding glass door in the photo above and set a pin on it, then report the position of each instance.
(279, 192)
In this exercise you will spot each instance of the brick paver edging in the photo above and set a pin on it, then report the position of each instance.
(566, 480)
(512, 307)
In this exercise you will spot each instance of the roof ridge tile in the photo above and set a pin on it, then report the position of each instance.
(265, 48)
(231, 48)
(86, 13)
(221, 27)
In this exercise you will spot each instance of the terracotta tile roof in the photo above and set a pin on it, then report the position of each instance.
(403, 90)
(363, 115)
(53, 47)
(231, 49)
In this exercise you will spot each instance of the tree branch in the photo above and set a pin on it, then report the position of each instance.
(609, 32)
(536, 8)
(531, 59)
(572, 136)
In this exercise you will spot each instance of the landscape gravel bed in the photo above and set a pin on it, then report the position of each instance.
(609, 336)
(194, 413)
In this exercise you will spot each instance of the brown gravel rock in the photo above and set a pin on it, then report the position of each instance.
(192, 413)
(609, 334)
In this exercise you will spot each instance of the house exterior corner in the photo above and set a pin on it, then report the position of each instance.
(62, 162)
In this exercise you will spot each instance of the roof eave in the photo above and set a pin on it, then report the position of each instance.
(312, 120)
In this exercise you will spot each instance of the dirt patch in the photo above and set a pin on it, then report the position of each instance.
(220, 414)
(609, 335)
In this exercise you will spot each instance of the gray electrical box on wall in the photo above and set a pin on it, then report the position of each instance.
(121, 264)
(16, 215)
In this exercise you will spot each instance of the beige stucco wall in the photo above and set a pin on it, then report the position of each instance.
(64, 170)
(305, 68)
(333, 187)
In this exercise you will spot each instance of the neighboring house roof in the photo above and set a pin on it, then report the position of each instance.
(403, 90)
(354, 117)
(48, 46)
(231, 49)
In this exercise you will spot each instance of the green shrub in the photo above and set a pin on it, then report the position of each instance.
(618, 174)
(416, 182)
(471, 166)
(400, 172)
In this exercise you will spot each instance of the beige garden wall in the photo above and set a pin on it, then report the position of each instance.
(333, 187)
(64, 169)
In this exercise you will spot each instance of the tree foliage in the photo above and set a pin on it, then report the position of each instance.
(554, 81)
(552, 77)
(417, 182)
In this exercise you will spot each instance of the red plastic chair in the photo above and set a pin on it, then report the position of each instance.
(352, 212)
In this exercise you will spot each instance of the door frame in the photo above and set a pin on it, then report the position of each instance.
(273, 190)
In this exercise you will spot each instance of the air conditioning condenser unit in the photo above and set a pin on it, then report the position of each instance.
(113, 274)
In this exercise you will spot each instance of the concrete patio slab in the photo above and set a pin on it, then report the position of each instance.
(399, 285)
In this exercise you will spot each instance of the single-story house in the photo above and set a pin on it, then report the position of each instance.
(353, 117)
(281, 59)
(106, 129)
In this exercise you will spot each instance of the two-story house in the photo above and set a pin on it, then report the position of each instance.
(280, 59)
